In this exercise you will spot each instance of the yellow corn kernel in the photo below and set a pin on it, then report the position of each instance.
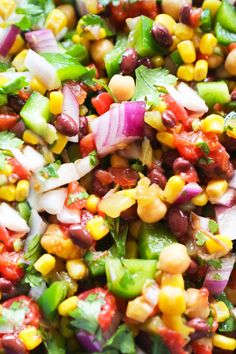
(8, 192)
(200, 70)
(175, 42)
(45, 264)
(6, 8)
(172, 301)
(76, 269)
(118, 161)
(37, 85)
(131, 249)
(59, 144)
(223, 342)
(56, 21)
(207, 44)
(22, 190)
(92, 203)
(17, 45)
(185, 72)
(3, 80)
(183, 32)
(175, 280)
(213, 123)
(200, 200)
(7, 170)
(56, 102)
(97, 227)
(173, 188)
(187, 51)
(19, 60)
(157, 61)
(213, 247)
(68, 305)
(166, 139)
(76, 38)
(30, 137)
(161, 106)
(166, 21)
(30, 337)
(153, 118)
(92, 6)
(176, 323)
(216, 188)
(212, 5)
(220, 310)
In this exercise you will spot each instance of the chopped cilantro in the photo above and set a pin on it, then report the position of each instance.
(138, 166)
(205, 160)
(34, 13)
(8, 140)
(228, 325)
(217, 276)
(32, 277)
(72, 198)
(53, 341)
(93, 158)
(200, 238)
(216, 263)
(213, 226)
(2, 161)
(87, 22)
(122, 342)
(158, 346)
(119, 234)
(204, 147)
(34, 249)
(50, 171)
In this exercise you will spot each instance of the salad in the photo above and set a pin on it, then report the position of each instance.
(117, 176)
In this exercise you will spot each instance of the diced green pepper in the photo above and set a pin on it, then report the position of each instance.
(226, 16)
(126, 277)
(176, 57)
(51, 299)
(206, 20)
(78, 51)
(152, 239)
(24, 210)
(113, 59)
(213, 92)
(224, 36)
(96, 260)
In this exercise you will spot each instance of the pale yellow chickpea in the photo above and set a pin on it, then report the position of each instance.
(197, 304)
(69, 11)
(122, 87)
(99, 49)
(173, 7)
(230, 62)
(152, 212)
(174, 259)
(214, 61)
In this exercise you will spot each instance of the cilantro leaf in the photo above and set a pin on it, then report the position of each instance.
(14, 85)
(93, 158)
(87, 22)
(8, 140)
(204, 147)
(159, 347)
(216, 263)
(121, 342)
(150, 83)
(73, 197)
(217, 276)
(50, 170)
(35, 12)
(32, 277)
(213, 226)
(228, 325)
(3, 160)
(34, 250)
(53, 341)
(119, 234)
(200, 238)
(205, 160)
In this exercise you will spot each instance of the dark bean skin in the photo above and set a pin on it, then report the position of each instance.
(66, 125)
(201, 328)
(168, 119)
(161, 35)
(98, 188)
(130, 214)
(157, 176)
(18, 129)
(129, 61)
(104, 177)
(146, 62)
(177, 222)
(150, 133)
(16, 103)
(169, 157)
(181, 165)
(12, 345)
(185, 14)
(80, 236)
(193, 267)
(6, 286)
(83, 127)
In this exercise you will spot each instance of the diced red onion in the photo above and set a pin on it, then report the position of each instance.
(42, 41)
(227, 199)
(71, 108)
(7, 39)
(232, 181)
(226, 220)
(211, 281)
(89, 341)
(189, 191)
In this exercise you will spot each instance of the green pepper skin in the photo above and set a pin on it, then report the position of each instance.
(206, 21)
(226, 16)
(96, 261)
(224, 36)
(152, 239)
(113, 59)
(214, 92)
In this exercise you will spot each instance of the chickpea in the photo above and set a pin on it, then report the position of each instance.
(69, 11)
(173, 7)
(230, 62)
(152, 212)
(99, 49)
(122, 87)
(174, 259)
(214, 61)
(197, 304)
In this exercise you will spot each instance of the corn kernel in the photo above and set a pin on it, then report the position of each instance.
(200, 200)
(19, 61)
(161, 106)
(56, 21)
(76, 38)
(212, 5)
(68, 305)
(200, 70)
(175, 280)
(92, 203)
(22, 190)
(3, 80)
(157, 61)
(185, 72)
(30, 137)
(213, 123)
(97, 227)
(45, 264)
(118, 161)
(166, 139)
(166, 21)
(207, 44)
(220, 310)
(171, 301)
(92, 6)
(213, 247)
(173, 188)
(131, 249)
(223, 342)
(154, 119)
(176, 323)
(8, 192)
(17, 45)
(183, 32)
(216, 188)
(175, 42)
(76, 269)
(187, 51)
(59, 145)
(6, 8)
(30, 337)
(37, 85)
(7, 170)
(56, 102)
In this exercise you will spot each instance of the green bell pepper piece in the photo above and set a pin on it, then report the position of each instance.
(126, 277)
(224, 36)
(36, 114)
(206, 20)
(113, 59)
(142, 39)
(51, 299)
(213, 92)
(152, 239)
(176, 57)
(226, 16)
(24, 210)
(96, 261)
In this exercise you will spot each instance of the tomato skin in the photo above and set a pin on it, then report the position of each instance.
(73, 189)
(18, 169)
(199, 348)
(5, 237)
(7, 121)
(102, 102)
(9, 268)
(179, 111)
(125, 177)
(174, 341)
(87, 145)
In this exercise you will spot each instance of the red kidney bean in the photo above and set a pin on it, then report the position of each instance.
(146, 62)
(6, 286)
(98, 188)
(168, 119)
(185, 14)
(233, 95)
(161, 35)
(157, 176)
(18, 129)
(83, 127)
(66, 125)
(177, 221)
(193, 267)
(104, 177)
(16, 103)
(130, 214)
(169, 157)
(201, 328)
(80, 236)
(12, 345)
(129, 61)
(181, 165)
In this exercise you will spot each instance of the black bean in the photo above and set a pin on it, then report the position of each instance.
(150, 133)
(12, 345)
(83, 127)
(168, 119)
(129, 61)
(185, 14)
(201, 328)
(98, 188)
(169, 157)
(146, 62)
(66, 125)
(80, 236)
(18, 129)
(130, 214)
(181, 165)
(177, 221)
(157, 176)
(16, 103)
(161, 35)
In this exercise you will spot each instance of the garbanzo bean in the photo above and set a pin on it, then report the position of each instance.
(174, 259)
(122, 87)
(230, 62)
(99, 49)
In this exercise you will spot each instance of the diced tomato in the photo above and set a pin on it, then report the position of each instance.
(102, 102)
(125, 177)
(24, 95)
(7, 121)
(5, 238)
(18, 169)
(178, 110)
(199, 348)
(174, 341)
(231, 47)
(77, 90)
(195, 17)
(74, 199)
(9, 266)
(87, 145)
(190, 176)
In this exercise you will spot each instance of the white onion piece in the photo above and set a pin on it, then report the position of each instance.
(39, 67)
(175, 94)
(232, 181)
(36, 291)
(37, 227)
(69, 216)
(11, 219)
(227, 199)
(52, 201)
(33, 196)
(199, 222)
(191, 100)
(12, 75)
(226, 220)
(34, 158)
(83, 166)
(71, 108)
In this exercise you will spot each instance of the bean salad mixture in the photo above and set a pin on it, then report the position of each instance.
(117, 176)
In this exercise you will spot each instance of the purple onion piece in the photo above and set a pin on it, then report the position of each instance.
(8, 39)
(89, 341)
(42, 41)
(190, 191)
